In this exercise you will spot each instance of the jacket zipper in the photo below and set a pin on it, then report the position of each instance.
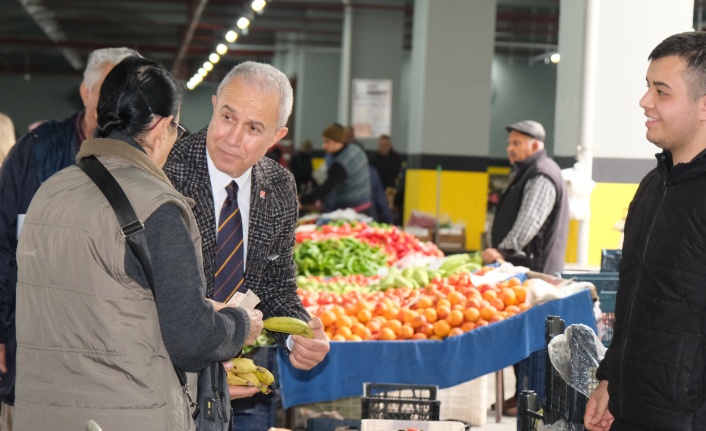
(634, 295)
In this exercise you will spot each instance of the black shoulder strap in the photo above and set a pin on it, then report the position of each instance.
(130, 225)
(132, 229)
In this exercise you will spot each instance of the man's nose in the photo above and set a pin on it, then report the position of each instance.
(234, 136)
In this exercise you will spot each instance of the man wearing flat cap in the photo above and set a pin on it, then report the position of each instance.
(532, 218)
(347, 183)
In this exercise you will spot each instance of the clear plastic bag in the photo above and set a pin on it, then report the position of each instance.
(575, 355)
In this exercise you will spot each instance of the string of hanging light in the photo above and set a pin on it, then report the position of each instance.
(241, 28)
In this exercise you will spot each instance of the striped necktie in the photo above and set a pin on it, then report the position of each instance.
(229, 252)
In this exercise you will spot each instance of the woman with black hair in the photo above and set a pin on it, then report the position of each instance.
(91, 342)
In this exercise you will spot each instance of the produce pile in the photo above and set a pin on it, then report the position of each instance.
(376, 282)
(394, 242)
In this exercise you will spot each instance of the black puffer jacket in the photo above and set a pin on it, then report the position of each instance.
(655, 365)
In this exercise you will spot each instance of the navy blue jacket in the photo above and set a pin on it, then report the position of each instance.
(35, 157)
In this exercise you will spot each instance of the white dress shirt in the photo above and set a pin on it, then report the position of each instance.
(219, 181)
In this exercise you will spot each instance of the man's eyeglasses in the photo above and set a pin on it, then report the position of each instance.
(180, 129)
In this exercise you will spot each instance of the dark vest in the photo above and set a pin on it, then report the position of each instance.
(355, 190)
(546, 251)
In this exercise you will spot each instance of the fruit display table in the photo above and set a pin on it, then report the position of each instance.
(445, 363)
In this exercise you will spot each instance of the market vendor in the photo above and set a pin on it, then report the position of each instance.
(347, 183)
(531, 222)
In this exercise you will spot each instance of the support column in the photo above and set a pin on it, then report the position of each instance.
(372, 48)
(449, 114)
(600, 80)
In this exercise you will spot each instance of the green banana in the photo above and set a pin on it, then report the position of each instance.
(288, 325)
(243, 365)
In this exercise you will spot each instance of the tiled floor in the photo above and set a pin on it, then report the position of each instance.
(506, 423)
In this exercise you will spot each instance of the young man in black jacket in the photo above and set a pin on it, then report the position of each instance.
(652, 377)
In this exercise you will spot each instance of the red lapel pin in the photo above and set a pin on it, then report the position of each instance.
(263, 194)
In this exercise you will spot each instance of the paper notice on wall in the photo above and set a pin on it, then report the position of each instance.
(372, 107)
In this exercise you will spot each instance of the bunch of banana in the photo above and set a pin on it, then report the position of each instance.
(246, 373)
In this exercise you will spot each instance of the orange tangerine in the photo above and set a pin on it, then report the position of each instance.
(455, 331)
(512, 309)
(345, 331)
(424, 302)
(380, 308)
(508, 296)
(426, 329)
(387, 334)
(408, 315)
(467, 326)
(419, 320)
(373, 325)
(351, 309)
(364, 315)
(487, 312)
(471, 314)
(344, 321)
(419, 336)
(338, 338)
(520, 294)
(442, 311)
(405, 332)
(431, 315)
(456, 298)
(498, 304)
(443, 302)
(391, 313)
(496, 318)
(393, 324)
(489, 295)
(514, 281)
(441, 328)
(455, 318)
(328, 318)
(338, 310)
(355, 337)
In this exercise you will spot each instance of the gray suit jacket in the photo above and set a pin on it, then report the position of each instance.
(270, 271)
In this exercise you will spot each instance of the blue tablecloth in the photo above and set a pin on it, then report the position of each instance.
(445, 363)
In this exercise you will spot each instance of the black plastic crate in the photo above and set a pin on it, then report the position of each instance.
(402, 402)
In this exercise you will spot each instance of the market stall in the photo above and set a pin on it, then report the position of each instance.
(444, 363)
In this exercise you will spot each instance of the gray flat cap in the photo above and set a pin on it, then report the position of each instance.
(530, 128)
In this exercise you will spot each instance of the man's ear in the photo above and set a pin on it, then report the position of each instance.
(84, 91)
(281, 133)
(535, 146)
